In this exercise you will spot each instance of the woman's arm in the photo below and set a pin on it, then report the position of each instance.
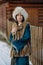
(10, 37)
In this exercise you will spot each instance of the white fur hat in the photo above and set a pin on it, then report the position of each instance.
(20, 10)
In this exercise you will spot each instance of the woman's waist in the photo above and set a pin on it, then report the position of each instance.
(20, 54)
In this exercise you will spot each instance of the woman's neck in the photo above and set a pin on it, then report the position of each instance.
(19, 23)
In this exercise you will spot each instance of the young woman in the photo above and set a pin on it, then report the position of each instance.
(20, 38)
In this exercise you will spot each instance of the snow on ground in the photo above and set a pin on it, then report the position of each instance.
(4, 54)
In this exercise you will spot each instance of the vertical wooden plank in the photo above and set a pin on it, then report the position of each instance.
(1, 18)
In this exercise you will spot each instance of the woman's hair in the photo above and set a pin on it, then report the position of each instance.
(21, 21)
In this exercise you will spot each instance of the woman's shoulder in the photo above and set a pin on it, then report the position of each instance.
(25, 24)
(28, 25)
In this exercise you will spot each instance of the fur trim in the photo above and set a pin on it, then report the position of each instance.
(20, 10)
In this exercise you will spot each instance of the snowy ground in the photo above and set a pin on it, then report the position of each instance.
(4, 54)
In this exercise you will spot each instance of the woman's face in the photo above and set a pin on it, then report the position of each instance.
(19, 18)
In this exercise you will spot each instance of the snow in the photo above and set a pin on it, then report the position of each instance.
(5, 54)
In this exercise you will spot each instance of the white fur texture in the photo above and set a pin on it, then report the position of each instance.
(21, 10)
